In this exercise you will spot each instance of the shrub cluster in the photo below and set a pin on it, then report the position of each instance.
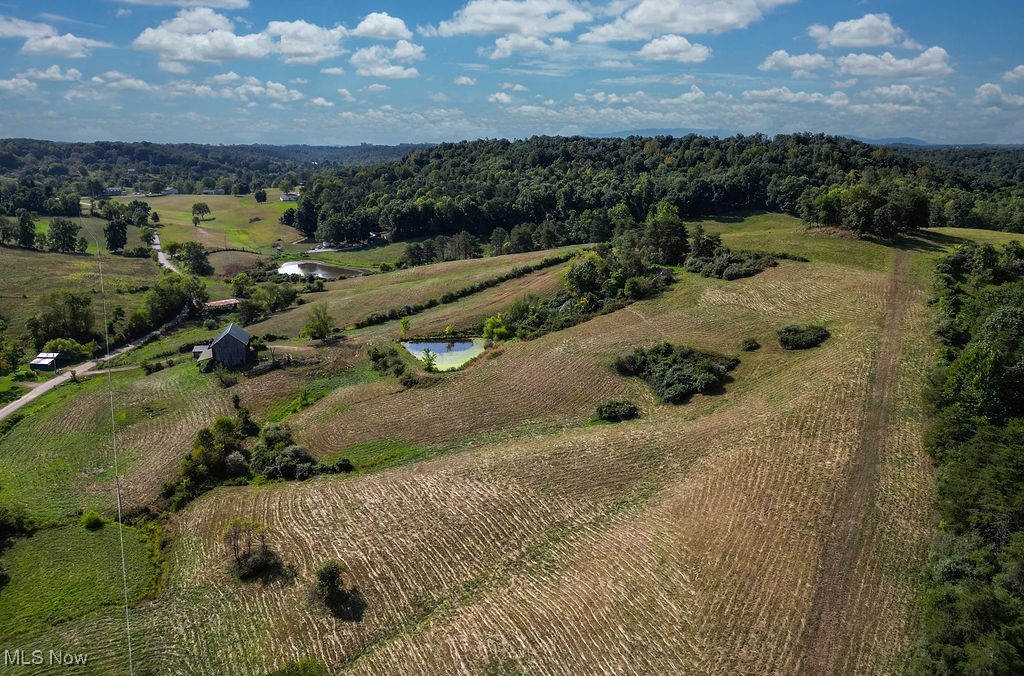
(388, 362)
(797, 337)
(375, 318)
(724, 263)
(750, 344)
(677, 372)
(91, 520)
(617, 410)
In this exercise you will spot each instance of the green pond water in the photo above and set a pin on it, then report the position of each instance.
(450, 354)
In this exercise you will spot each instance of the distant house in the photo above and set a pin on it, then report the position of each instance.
(222, 305)
(113, 191)
(45, 361)
(213, 191)
(169, 190)
(289, 197)
(230, 348)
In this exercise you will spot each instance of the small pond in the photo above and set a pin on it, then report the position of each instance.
(450, 354)
(321, 270)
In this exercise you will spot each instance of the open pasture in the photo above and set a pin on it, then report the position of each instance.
(771, 528)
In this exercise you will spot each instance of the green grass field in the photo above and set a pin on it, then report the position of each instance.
(235, 221)
(92, 230)
(488, 522)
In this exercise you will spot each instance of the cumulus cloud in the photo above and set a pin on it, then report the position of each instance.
(1014, 75)
(674, 48)
(500, 97)
(333, 70)
(785, 95)
(611, 98)
(53, 74)
(648, 18)
(992, 95)
(871, 30)
(536, 18)
(321, 102)
(11, 27)
(694, 95)
(199, 34)
(203, 35)
(802, 65)
(513, 86)
(253, 89)
(225, 78)
(378, 87)
(382, 26)
(17, 86)
(508, 45)
(67, 45)
(304, 42)
(932, 62)
(465, 81)
(346, 95)
(379, 61)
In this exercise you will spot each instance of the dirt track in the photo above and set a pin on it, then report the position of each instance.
(831, 607)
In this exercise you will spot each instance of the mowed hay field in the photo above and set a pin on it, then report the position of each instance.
(777, 527)
(230, 225)
(29, 275)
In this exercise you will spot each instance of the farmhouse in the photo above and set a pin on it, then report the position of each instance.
(169, 190)
(45, 361)
(230, 348)
(213, 191)
(289, 197)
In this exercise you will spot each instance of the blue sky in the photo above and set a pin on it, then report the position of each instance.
(250, 71)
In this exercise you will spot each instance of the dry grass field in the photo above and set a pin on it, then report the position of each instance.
(774, 528)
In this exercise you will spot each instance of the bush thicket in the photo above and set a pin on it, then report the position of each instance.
(677, 372)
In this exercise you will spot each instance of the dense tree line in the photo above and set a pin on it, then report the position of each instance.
(1000, 162)
(973, 603)
(47, 177)
(589, 189)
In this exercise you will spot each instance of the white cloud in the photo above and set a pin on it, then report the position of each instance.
(611, 98)
(382, 26)
(346, 95)
(1014, 75)
(53, 74)
(216, 4)
(990, 94)
(465, 81)
(932, 62)
(520, 17)
(438, 97)
(513, 86)
(378, 87)
(377, 61)
(674, 48)
(800, 64)
(500, 97)
(11, 27)
(321, 102)
(303, 42)
(199, 35)
(333, 70)
(67, 45)
(17, 85)
(225, 78)
(905, 94)
(785, 95)
(508, 45)
(693, 96)
(123, 12)
(648, 18)
(871, 30)
(253, 89)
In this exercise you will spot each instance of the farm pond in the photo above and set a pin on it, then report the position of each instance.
(450, 354)
(321, 270)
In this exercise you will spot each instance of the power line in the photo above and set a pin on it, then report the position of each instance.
(113, 444)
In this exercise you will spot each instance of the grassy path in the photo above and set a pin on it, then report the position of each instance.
(831, 610)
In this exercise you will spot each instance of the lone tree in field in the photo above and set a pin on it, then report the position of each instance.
(250, 552)
(260, 195)
(116, 234)
(344, 601)
(320, 324)
(200, 210)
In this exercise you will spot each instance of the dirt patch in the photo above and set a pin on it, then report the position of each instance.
(829, 614)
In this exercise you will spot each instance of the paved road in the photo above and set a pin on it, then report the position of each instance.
(161, 256)
(87, 367)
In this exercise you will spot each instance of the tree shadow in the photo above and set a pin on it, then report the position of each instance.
(265, 567)
(346, 604)
(927, 241)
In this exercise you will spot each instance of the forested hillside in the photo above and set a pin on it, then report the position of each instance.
(589, 188)
(1000, 162)
(36, 174)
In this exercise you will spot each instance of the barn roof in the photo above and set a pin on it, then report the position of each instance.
(235, 332)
